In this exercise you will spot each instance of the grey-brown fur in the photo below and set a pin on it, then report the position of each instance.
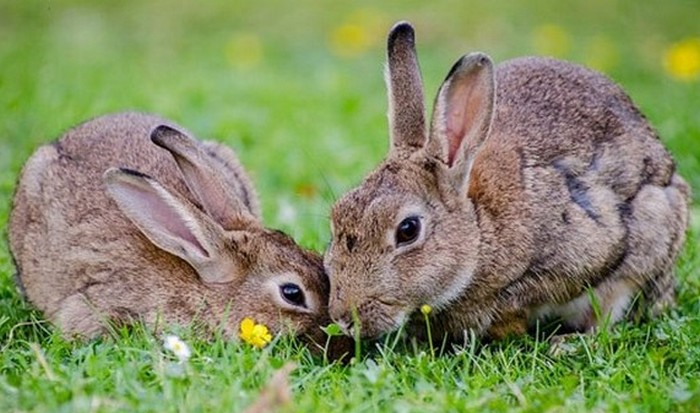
(563, 188)
(84, 261)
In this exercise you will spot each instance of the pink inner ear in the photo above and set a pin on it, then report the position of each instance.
(464, 102)
(155, 215)
(455, 134)
(166, 216)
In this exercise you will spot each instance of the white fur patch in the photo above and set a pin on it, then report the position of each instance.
(612, 298)
(454, 289)
(621, 294)
(574, 312)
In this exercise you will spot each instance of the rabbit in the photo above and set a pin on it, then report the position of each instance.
(126, 217)
(538, 194)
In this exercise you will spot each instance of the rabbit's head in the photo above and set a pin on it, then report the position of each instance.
(408, 235)
(242, 268)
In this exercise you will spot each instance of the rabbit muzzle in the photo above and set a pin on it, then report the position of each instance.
(370, 319)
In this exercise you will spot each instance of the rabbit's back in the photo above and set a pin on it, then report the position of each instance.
(580, 187)
(66, 235)
(119, 140)
(563, 115)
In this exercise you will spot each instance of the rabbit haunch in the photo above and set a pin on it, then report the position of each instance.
(173, 236)
(537, 184)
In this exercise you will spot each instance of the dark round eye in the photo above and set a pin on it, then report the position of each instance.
(407, 231)
(293, 294)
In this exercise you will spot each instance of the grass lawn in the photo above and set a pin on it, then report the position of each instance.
(297, 90)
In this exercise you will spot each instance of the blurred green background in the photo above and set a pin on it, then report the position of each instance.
(297, 88)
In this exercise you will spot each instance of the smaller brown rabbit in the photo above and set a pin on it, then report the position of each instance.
(538, 186)
(173, 235)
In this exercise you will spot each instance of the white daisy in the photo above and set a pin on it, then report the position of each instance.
(178, 347)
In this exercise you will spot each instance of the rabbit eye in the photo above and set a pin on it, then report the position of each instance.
(408, 231)
(293, 294)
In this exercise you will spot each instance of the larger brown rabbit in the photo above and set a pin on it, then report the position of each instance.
(175, 238)
(537, 186)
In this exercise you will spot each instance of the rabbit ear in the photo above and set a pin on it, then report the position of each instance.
(462, 115)
(172, 224)
(218, 198)
(405, 88)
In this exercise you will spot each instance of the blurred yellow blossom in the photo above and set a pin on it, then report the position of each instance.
(426, 309)
(244, 50)
(551, 40)
(682, 59)
(349, 39)
(601, 53)
(362, 30)
(254, 334)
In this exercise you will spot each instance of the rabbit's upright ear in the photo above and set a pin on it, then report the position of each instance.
(462, 115)
(219, 199)
(173, 225)
(405, 88)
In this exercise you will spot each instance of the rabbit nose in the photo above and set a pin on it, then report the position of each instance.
(338, 315)
(347, 325)
(343, 318)
(337, 308)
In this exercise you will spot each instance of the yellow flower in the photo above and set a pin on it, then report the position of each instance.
(349, 40)
(551, 40)
(426, 309)
(682, 59)
(254, 334)
(601, 53)
(360, 31)
(244, 50)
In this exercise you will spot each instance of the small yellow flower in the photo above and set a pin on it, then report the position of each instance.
(349, 40)
(244, 50)
(359, 32)
(682, 59)
(601, 53)
(426, 309)
(551, 40)
(254, 334)
(178, 347)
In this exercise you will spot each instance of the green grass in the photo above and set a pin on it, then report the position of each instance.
(307, 117)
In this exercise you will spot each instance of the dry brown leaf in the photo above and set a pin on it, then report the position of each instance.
(276, 393)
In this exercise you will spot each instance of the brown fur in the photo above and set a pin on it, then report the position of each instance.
(83, 262)
(538, 182)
